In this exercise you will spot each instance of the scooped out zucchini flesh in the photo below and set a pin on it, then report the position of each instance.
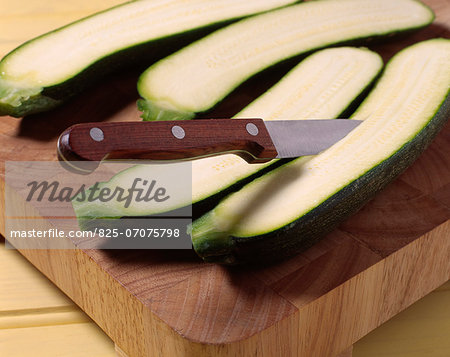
(45, 71)
(290, 208)
(321, 87)
(200, 75)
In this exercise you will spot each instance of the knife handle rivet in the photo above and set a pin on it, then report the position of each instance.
(178, 132)
(252, 129)
(97, 134)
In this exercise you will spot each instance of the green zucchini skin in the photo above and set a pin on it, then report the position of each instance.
(308, 230)
(153, 108)
(134, 57)
(215, 245)
(152, 111)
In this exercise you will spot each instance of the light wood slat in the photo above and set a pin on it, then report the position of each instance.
(42, 317)
(23, 287)
(21, 20)
(73, 340)
(39, 7)
(421, 330)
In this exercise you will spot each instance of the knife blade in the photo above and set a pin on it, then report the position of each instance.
(253, 139)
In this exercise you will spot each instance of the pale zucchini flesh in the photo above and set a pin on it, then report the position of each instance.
(291, 207)
(32, 76)
(321, 87)
(200, 75)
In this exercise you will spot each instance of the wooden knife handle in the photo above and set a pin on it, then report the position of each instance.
(167, 140)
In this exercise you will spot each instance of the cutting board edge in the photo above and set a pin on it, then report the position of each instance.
(159, 336)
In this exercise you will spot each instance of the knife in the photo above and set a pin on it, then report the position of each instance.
(255, 140)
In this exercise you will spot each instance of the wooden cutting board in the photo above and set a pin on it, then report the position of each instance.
(387, 256)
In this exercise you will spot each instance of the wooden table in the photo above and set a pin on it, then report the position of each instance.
(393, 252)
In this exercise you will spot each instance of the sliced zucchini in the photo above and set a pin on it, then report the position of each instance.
(291, 207)
(45, 71)
(200, 75)
(322, 86)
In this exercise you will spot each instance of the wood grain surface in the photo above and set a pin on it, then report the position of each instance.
(380, 261)
(30, 305)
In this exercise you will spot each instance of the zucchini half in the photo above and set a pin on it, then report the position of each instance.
(200, 75)
(47, 70)
(321, 86)
(290, 208)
